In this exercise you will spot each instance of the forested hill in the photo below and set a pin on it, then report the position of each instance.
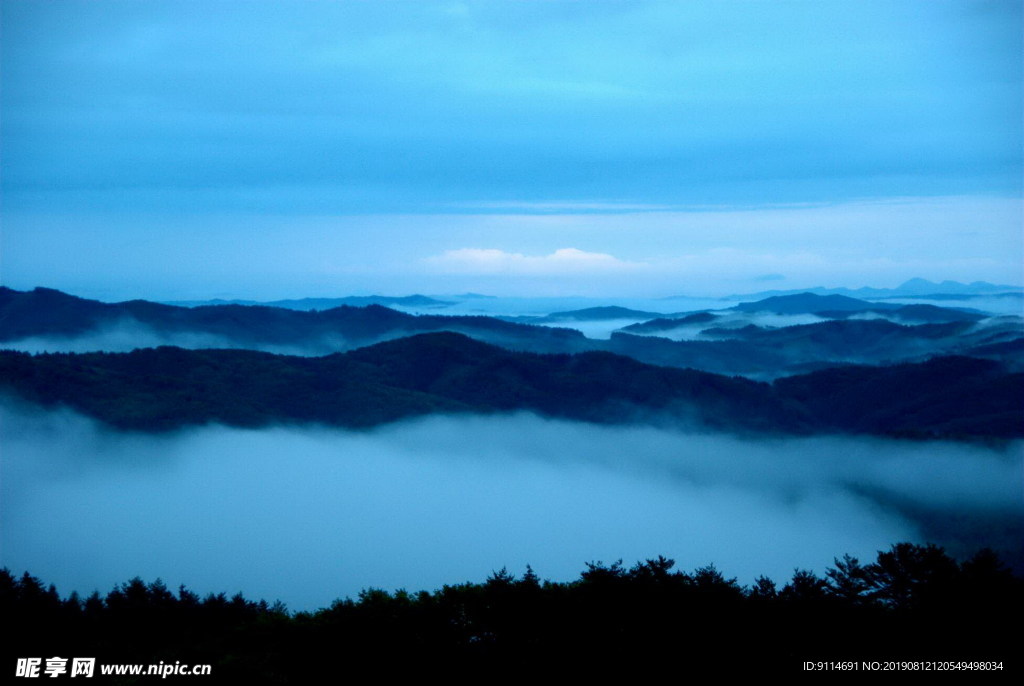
(167, 388)
(729, 343)
(45, 312)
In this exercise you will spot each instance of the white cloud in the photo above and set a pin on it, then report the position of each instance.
(565, 206)
(561, 261)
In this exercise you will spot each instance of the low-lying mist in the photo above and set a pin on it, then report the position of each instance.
(127, 335)
(307, 515)
(735, 321)
(599, 329)
(1009, 303)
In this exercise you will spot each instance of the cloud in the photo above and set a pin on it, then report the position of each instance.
(558, 206)
(306, 109)
(561, 261)
(699, 250)
(308, 515)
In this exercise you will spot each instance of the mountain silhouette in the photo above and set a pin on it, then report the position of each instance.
(166, 388)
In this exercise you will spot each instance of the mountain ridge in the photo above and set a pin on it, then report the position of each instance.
(915, 287)
(167, 388)
(717, 345)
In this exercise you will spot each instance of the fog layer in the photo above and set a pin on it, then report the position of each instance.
(127, 335)
(309, 515)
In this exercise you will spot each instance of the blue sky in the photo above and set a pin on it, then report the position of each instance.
(278, 149)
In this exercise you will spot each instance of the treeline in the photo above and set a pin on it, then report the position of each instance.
(912, 602)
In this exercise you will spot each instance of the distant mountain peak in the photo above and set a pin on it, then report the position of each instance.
(915, 287)
(805, 303)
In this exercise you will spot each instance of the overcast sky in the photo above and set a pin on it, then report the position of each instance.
(281, 149)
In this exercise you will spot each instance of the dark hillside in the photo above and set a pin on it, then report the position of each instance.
(164, 388)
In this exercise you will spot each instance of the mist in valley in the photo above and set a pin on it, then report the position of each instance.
(127, 334)
(307, 515)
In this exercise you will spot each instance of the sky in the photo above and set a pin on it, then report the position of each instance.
(270, 149)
